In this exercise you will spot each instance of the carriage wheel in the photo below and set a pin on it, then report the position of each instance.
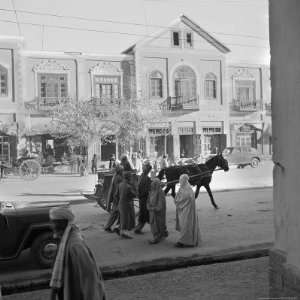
(30, 169)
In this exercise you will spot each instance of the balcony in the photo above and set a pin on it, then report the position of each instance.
(250, 106)
(268, 109)
(45, 104)
(179, 103)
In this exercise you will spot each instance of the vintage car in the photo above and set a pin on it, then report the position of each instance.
(27, 226)
(242, 156)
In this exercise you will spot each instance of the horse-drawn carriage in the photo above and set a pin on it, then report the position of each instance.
(200, 175)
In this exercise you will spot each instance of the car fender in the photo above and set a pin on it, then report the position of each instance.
(31, 232)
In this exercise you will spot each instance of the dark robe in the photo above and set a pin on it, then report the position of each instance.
(125, 195)
(144, 189)
(82, 277)
(126, 166)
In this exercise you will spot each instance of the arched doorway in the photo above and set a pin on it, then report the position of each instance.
(185, 82)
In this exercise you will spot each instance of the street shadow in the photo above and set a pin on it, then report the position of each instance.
(51, 195)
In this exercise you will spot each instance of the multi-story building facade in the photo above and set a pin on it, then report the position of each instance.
(10, 95)
(206, 103)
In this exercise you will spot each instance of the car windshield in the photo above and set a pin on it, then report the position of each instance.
(227, 151)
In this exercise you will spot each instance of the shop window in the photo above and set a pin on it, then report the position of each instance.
(3, 81)
(210, 86)
(156, 89)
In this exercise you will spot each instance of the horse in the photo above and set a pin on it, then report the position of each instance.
(173, 173)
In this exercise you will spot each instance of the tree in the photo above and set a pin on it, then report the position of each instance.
(86, 121)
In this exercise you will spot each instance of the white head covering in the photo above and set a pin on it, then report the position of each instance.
(61, 213)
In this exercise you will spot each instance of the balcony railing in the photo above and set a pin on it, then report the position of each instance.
(268, 108)
(253, 105)
(46, 103)
(100, 102)
(179, 103)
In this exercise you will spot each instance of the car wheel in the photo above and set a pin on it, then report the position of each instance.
(254, 162)
(44, 249)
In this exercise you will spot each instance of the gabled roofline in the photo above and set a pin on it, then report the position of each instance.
(208, 37)
(188, 22)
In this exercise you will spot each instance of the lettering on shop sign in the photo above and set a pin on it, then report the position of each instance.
(159, 131)
(185, 130)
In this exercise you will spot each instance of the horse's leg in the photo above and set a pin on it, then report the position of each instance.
(167, 189)
(211, 196)
(173, 191)
(197, 191)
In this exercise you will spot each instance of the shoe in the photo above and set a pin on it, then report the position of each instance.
(116, 230)
(166, 234)
(108, 230)
(152, 242)
(138, 232)
(125, 236)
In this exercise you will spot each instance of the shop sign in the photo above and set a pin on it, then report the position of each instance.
(159, 131)
(186, 130)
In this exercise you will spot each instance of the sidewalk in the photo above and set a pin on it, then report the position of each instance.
(242, 228)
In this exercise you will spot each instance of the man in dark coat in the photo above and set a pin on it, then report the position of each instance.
(143, 193)
(75, 274)
(114, 213)
(125, 195)
(125, 164)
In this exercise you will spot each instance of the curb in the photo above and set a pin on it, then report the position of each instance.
(40, 279)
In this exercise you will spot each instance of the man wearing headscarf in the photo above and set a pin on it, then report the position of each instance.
(186, 215)
(125, 195)
(75, 274)
(157, 210)
(143, 193)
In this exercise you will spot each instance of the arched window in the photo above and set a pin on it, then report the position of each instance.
(210, 86)
(156, 80)
(3, 81)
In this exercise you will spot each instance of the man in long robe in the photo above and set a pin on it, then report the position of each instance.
(125, 195)
(143, 193)
(157, 209)
(112, 198)
(186, 215)
(75, 274)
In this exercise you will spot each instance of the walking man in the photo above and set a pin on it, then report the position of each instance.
(125, 195)
(75, 274)
(143, 193)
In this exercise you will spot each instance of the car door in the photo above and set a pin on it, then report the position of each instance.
(236, 155)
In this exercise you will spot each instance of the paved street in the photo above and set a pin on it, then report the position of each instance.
(247, 279)
(68, 187)
(245, 218)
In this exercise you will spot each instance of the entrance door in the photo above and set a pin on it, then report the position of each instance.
(4, 151)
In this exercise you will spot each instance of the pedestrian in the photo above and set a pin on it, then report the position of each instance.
(125, 195)
(157, 211)
(94, 164)
(143, 193)
(137, 163)
(82, 167)
(164, 162)
(114, 200)
(112, 161)
(186, 215)
(75, 275)
(126, 164)
(2, 167)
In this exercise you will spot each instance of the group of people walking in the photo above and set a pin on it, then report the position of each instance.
(152, 206)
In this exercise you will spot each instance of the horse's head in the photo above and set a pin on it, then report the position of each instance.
(218, 161)
(222, 162)
(161, 174)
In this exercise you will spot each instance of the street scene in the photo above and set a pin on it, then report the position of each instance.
(138, 153)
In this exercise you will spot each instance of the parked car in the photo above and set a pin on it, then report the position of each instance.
(24, 226)
(242, 156)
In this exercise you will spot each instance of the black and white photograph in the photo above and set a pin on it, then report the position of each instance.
(149, 149)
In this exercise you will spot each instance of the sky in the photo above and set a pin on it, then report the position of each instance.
(111, 26)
